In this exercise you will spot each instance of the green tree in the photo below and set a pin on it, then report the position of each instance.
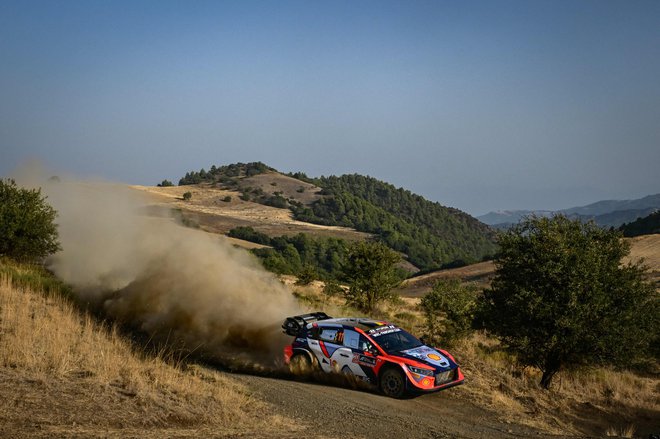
(371, 273)
(449, 311)
(27, 228)
(307, 275)
(562, 297)
(165, 183)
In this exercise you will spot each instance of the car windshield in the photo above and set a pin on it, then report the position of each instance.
(399, 340)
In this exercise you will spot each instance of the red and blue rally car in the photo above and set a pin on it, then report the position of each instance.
(375, 351)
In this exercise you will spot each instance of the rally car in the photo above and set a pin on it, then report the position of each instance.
(375, 351)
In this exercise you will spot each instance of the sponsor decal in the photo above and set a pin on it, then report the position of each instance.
(382, 330)
(428, 355)
(364, 360)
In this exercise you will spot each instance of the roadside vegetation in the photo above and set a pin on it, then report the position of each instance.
(67, 372)
(562, 298)
(565, 339)
(62, 370)
(27, 223)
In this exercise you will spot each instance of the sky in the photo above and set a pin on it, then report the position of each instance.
(479, 105)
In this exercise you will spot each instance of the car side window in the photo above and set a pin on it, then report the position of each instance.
(332, 335)
(366, 345)
(351, 339)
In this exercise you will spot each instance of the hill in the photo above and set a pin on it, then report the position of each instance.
(606, 213)
(429, 234)
(642, 226)
(63, 374)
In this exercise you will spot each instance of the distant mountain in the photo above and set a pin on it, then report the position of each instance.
(510, 216)
(430, 234)
(606, 213)
(609, 206)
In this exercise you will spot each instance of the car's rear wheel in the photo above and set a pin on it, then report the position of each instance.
(393, 383)
(347, 371)
(300, 364)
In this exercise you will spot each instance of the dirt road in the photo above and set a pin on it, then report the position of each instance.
(331, 411)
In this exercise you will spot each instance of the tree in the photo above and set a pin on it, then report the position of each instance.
(371, 273)
(187, 196)
(449, 311)
(307, 275)
(27, 229)
(562, 297)
(165, 183)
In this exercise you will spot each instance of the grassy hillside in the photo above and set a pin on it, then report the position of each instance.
(429, 234)
(64, 374)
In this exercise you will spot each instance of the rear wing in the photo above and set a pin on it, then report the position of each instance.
(295, 325)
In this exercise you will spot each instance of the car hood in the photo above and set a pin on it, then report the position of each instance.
(430, 356)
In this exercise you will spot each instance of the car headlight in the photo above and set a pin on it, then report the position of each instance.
(420, 371)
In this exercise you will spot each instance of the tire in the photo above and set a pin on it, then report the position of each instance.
(393, 383)
(347, 371)
(300, 364)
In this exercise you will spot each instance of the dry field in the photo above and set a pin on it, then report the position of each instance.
(207, 209)
(62, 374)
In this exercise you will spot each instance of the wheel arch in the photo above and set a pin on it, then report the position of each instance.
(302, 351)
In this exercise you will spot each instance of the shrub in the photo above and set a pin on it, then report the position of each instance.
(227, 199)
(448, 310)
(332, 289)
(27, 223)
(371, 272)
(307, 275)
(187, 196)
(165, 183)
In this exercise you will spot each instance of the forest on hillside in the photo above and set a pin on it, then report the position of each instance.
(642, 226)
(431, 235)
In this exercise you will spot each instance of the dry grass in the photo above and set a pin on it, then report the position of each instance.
(580, 402)
(207, 210)
(627, 432)
(60, 370)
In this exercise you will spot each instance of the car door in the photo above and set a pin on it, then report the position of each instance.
(348, 356)
(326, 345)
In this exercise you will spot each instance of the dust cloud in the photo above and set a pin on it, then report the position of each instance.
(172, 283)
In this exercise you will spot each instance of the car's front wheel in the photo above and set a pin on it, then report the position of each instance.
(393, 383)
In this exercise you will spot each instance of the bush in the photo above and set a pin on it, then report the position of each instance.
(227, 199)
(249, 234)
(187, 196)
(307, 275)
(371, 272)
(449, 311)
(562, 297)
(332, 289)
(165, 183)
(27, 229)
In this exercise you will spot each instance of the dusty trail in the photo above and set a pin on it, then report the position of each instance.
(339, 412)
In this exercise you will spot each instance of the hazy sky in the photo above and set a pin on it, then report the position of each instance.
(479, 105)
